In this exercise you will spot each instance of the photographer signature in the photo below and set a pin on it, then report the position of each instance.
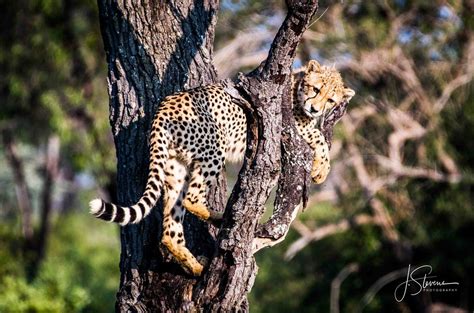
(420, 283)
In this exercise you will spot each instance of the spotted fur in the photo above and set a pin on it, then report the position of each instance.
(317, 90)
(195, 132)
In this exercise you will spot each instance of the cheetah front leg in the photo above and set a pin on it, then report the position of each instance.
(321, 162)
(195, 201)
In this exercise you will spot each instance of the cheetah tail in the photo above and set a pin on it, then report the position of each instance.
(135, 213)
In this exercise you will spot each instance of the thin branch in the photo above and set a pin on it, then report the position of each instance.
(51, 170)
(326, 230)
(336, 285)
(405, 128)
(243, 49)
(371, 186)
(21, 188)
(301, 228)
(359, 115)
(384, 280)
(444, 308)
(448, 162)
(398, 169)
(464, 78)
(287, 39)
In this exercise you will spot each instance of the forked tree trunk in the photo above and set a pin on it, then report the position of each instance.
(155, 49)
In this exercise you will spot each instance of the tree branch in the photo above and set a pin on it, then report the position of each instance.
(21, 188)
(336, 285)
(51, 169)
(308, 236)
(465, 77)
(263, 89)
(241, 50)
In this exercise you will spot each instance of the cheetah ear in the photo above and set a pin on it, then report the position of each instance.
(313, 66)
(348, 94)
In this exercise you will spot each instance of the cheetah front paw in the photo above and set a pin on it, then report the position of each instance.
(320, 170)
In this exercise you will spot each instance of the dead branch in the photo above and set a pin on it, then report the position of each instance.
(308, 236)
(439, 307)
(245, 50)
(21, 188)
(384, 280)
(399, 170)
(371, 186)
(464, 78)
(336, 285)
(51, 169)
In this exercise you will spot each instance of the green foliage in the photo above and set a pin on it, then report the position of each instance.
(80, 273)
(48, 294)
(303, 283)
(459, 124)
(53, 79)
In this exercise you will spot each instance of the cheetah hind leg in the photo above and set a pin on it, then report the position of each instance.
(173, 239)
(195, 200)
(173, 214)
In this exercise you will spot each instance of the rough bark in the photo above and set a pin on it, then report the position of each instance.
(155, 49)
(232, 271)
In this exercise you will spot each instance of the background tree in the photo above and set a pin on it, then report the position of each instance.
(53, 137)
(56, 116)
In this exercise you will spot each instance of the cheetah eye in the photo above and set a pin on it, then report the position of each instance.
(316, 89)
(331, 101)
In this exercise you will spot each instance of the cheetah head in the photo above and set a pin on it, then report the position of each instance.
(322, 89)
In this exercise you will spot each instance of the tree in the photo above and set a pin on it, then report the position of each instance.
(52, 115)
(156, 49)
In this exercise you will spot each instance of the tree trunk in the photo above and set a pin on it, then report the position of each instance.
(51, 168)
(155, 49)
(22, 193)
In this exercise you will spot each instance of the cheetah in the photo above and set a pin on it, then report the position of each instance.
(195, 132)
